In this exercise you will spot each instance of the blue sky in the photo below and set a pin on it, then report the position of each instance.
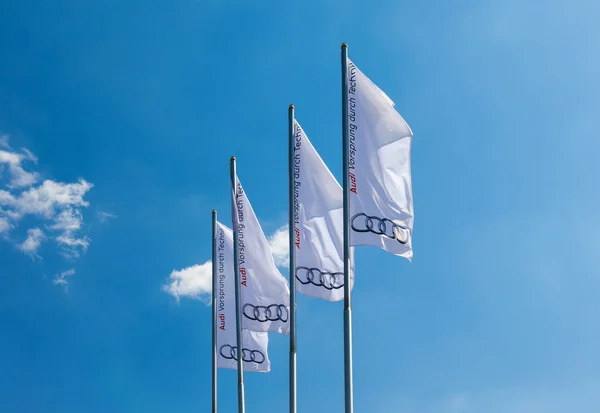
(129, 112)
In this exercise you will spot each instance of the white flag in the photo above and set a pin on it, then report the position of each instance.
(265, 295)
(254, 344)
(381, 204)
(318, 224)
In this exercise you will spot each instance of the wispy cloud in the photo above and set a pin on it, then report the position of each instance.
(105, 216)
(30, 156)
(59, 205)
(68, 222)
(4, 142)
(61, 279)
(18, 176)
(30, 246)
(5, 225)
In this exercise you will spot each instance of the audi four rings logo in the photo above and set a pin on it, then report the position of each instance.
(250, 356)
(379, 226)
(325, 279)
(261, 313)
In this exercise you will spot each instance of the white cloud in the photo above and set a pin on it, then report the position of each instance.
(61, 279)
(279, 242)
(10, 215)
(59, 204)
(51, 196)
(5, 226)
(69, 222)
(9, 158)
(192, 282)
(18, 176)
(196, 281)
(6, 198)
(35, 237)
(72, 246)
(68, 219)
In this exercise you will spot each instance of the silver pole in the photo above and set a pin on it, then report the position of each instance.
(292, 183)
(214, 311)
(236, 269)
(348, 387)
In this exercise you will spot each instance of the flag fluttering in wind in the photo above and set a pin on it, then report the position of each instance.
(317, 224)
(326, 221)
(254, 348)
(265, 295)
(381, 204)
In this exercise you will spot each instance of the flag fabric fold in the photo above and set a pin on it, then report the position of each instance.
(318, 224)
(265, 295)
(254, 344)
(381, 202)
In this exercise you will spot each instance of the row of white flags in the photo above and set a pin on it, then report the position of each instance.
(381, 215)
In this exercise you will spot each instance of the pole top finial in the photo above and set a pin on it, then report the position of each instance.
(232, 158)
(291, 106)
(344, 45)
(214, 211)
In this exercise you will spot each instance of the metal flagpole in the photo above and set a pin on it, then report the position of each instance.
(348, 387)
(214, 311)
(292, 183)
(236, 270)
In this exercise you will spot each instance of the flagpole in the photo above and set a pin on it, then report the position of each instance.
(214, 311)
(348, 386)
(292, 183)
(236, 270)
